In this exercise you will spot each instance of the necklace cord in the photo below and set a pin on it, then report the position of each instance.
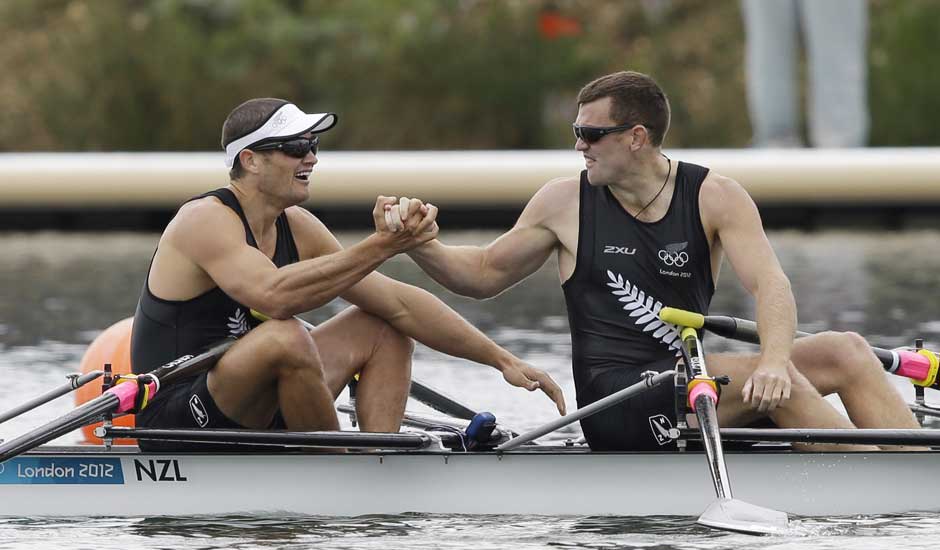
(658, 193)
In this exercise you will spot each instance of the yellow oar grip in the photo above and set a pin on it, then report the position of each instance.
(262, 317)
(259, 316)
(688, 332)
(682, 317)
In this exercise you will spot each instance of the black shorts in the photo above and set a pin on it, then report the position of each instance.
(637, 424)
(188, 404)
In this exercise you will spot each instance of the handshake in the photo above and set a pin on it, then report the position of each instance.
(407, 223)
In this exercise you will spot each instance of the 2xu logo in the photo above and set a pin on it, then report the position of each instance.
(611, 249)
(158, 470)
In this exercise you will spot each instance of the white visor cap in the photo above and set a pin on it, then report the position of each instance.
(285, 123)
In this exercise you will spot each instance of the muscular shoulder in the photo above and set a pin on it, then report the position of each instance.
(201, 231)
(555, 198)
(203, 218)
(721, 197)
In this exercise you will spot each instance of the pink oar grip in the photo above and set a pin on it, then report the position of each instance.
(700, 389)
(913, 365)
(126, 393)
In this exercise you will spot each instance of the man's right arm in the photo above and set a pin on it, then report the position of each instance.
(214, 240)
(484, 272)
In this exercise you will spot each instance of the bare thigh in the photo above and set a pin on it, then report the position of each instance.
(732, 410)
(244, 382)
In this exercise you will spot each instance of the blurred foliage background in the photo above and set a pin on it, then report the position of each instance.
(90, 75)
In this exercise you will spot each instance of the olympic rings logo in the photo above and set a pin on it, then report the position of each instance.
(677, 259)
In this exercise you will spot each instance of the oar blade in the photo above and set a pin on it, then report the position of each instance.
(731, 514)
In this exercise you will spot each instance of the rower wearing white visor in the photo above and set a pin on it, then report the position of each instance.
(249, 247)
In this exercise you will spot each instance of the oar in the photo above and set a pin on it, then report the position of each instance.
(321, 439)
(420, 391)
(652, 380)
(75, 381)
(920, 366)
(118, 399)
(726, 512)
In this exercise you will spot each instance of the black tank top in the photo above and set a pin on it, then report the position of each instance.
(626, 271)
(167, 329)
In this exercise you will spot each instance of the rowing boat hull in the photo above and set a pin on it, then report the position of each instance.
(54, 482)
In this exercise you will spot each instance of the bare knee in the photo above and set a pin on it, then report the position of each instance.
(292, 347)
(384, 337)
(850, 354)
(855, 344)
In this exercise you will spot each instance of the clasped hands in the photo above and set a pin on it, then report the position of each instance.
(406, 222)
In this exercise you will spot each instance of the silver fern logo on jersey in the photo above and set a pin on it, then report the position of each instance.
(238, 323)
(674, 254)
(644, 309)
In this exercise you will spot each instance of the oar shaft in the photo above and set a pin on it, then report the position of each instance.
(711, 439)
(322, 439)
(440, 401)
(926, 411)
(911, 364)
(597, 406)
(73, 384)
(85, 414)
(190, 365)
(118, 399)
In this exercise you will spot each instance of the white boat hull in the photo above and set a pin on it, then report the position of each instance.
(54, 483)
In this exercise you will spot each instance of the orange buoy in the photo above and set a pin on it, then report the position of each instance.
(111, 346)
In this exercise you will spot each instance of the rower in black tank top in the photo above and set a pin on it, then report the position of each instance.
(626, 271)
(167, 329)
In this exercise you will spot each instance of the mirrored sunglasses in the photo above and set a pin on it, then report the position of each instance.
(593, 134)
(297, 147)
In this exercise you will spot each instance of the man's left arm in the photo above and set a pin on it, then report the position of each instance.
(733, 217)
(420, 315)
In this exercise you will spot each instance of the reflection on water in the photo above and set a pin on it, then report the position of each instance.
(60, 290)
(418, 531)
(280, 529)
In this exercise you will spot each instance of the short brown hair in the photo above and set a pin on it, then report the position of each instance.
(635, 99)
(245, 119)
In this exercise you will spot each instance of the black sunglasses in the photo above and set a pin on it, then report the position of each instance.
(593, 134)
(297, 148)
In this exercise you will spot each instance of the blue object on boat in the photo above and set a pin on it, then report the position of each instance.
(480, 429)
